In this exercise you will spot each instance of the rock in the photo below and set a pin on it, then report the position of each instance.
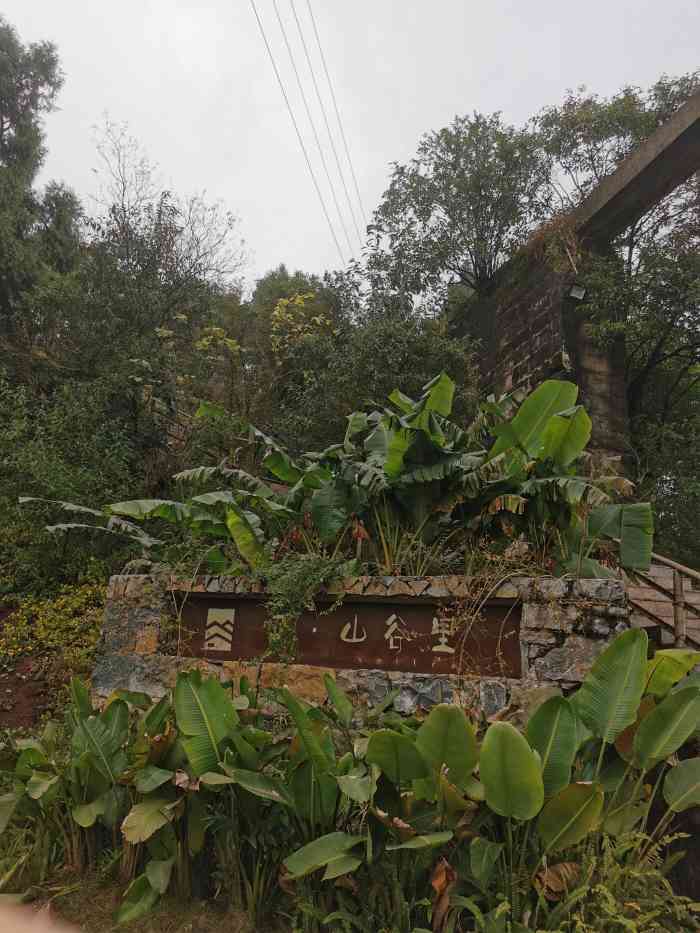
(375, 587)
(527, 698)
(493, 696)
(139, 565)
(399, 587)
(571, 661)
(418, 585)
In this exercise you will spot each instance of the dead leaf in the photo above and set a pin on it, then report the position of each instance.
(463, 828)
(443, 881)
(285, 882)
(405, 830)
(624, 743)
(347, 881)
(554, 882)
(185, 782)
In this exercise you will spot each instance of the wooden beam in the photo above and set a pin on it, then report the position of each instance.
(679, 614)
(667, 562)
(665, 160)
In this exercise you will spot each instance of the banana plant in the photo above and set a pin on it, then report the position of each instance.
(369, 822)
(403, 483)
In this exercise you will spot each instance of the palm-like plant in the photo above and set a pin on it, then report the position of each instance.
(406, 481)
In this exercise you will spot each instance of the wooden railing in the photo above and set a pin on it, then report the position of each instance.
(679, 596)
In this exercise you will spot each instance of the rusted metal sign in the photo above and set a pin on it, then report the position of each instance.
(415, 635)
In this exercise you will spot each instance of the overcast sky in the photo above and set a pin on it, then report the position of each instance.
(196, 87)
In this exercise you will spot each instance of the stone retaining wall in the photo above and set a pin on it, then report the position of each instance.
(564, 626)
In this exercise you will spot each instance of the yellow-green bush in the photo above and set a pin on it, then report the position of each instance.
(66, 625)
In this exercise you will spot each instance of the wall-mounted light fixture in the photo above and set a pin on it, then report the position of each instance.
(577, 291)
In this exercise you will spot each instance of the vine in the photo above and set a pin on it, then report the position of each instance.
(292, 584)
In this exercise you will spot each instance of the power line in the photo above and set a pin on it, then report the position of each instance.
(325, 120)
(337, 111)
(313, 125)
(296, 127)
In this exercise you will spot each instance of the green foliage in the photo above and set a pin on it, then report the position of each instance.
(407, 490)
(458, 209)
(570, 816)
(642, 292)
(67, 625)
(511, 773)
(552, 732)
(390, 805)
(610, 695)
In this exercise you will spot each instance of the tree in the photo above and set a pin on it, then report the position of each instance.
(30, 79)
(646, 290)
(101, 320)
(35, 231)
(459, 209)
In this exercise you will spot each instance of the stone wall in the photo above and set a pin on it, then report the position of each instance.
(532, 330)
(564, 626)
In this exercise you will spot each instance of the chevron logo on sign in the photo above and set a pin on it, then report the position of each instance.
(218, 634)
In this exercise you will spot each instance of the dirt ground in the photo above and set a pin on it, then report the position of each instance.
(90, 909)
(23, 694)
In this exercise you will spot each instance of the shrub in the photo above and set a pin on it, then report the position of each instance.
(371, 821)
(59, 634)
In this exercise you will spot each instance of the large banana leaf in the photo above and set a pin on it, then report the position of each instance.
(511, 773)
(80, 697)
(436, 400)
(320, 852)
(140, 898)
(205, 714)
(667, 667)
(527, 428)
(315, 795)
(340, 700)
(446, 739)
(40, 784)
(566, 435)
(103, 744)
(608, 699)
(552, 731)
(65, 506)
(329, 510)
(397, 756)
(359, 784)
(427, 841)
(86, 814)
(682, 785)
(238, 522)
(146, 818)
(150, 778)
(437, 396)
(276, 459)
(158, 872)
(632, 524)
(570, 815)
(321, 760)
(387, 445)
(667, 727)
(261, 785)
(141, 509)
(116, 719)
(483, 856)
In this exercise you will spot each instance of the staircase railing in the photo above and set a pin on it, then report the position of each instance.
(677, 596)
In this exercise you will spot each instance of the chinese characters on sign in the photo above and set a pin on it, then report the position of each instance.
(396, 632)
(415, 636)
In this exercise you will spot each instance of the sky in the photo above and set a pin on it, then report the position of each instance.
(194, 83)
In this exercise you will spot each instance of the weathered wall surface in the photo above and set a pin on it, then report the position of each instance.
(564, 626)
(532, 330)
